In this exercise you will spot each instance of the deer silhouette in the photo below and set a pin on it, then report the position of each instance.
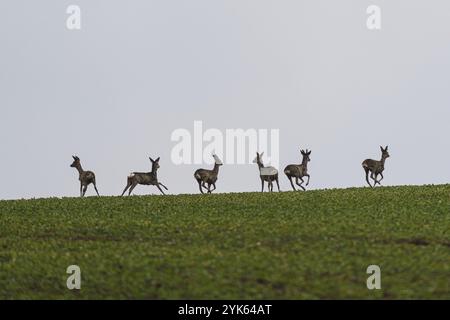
(268, 174)
(85, 177)
(145, 178)
(298, 171)
(204, 176)
(375, 167)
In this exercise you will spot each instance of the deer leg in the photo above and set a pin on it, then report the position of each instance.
(160, 189)
(162, 185)
(129, 183)
(382, 177)
(214, 185)
(126, 188)
(95, 187)
(307, 182)
(374, 178)
(367, 177)
(292, 184)
(81, 189)
(300, 184)
(204, 186)
(84, 190)
(270, 185)
(200, 186)
(262, 185)
(377, 181)
(278, 184)
(133, 185)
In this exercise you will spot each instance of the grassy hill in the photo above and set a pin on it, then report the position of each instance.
(315, 244)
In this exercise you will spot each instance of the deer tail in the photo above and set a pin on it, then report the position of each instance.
(130, 177)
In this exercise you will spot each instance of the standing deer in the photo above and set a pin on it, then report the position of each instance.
(204, 176)
(268, 174)
(145, 178)
(85, 177)
(375, 167)
(298, 171)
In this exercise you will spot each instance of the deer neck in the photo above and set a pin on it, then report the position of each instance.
(216, 168)
(154, 171)
(304, 162)
(79, 169)
(383, 160)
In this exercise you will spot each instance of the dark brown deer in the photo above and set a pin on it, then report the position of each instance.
(268, 174)
(145, 178)
(85, 177)
(375, 167)
(298, 171)
(204, 176)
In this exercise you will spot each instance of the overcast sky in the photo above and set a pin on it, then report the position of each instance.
(114, 91)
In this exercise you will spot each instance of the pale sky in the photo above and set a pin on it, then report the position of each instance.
(114, 91)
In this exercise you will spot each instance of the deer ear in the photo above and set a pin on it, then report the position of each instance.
(386, 148)
(309, 152)
(157, 159)
(151, 159)
(261, 154)
(381, 148)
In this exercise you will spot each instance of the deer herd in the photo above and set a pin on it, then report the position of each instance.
(207, 178)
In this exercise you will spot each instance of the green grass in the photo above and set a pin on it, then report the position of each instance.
(304, 245)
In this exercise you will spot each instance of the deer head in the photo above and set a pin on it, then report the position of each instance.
(217, 160)
(76, 162)
(384, 152)
(258, 158)
(155, 163)
(305, 155)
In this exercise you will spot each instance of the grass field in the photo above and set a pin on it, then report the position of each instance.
(304, 245)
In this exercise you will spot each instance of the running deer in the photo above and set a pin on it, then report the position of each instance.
(85, 177)
(268, 174)
(298, 171)
(375, 167)
(145, 178)
(204, 176)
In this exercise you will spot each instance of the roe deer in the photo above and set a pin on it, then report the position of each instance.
(204, 176)
(85, 177)
(145, 178)
(375, 167)
(298, 171)
(268, 174)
